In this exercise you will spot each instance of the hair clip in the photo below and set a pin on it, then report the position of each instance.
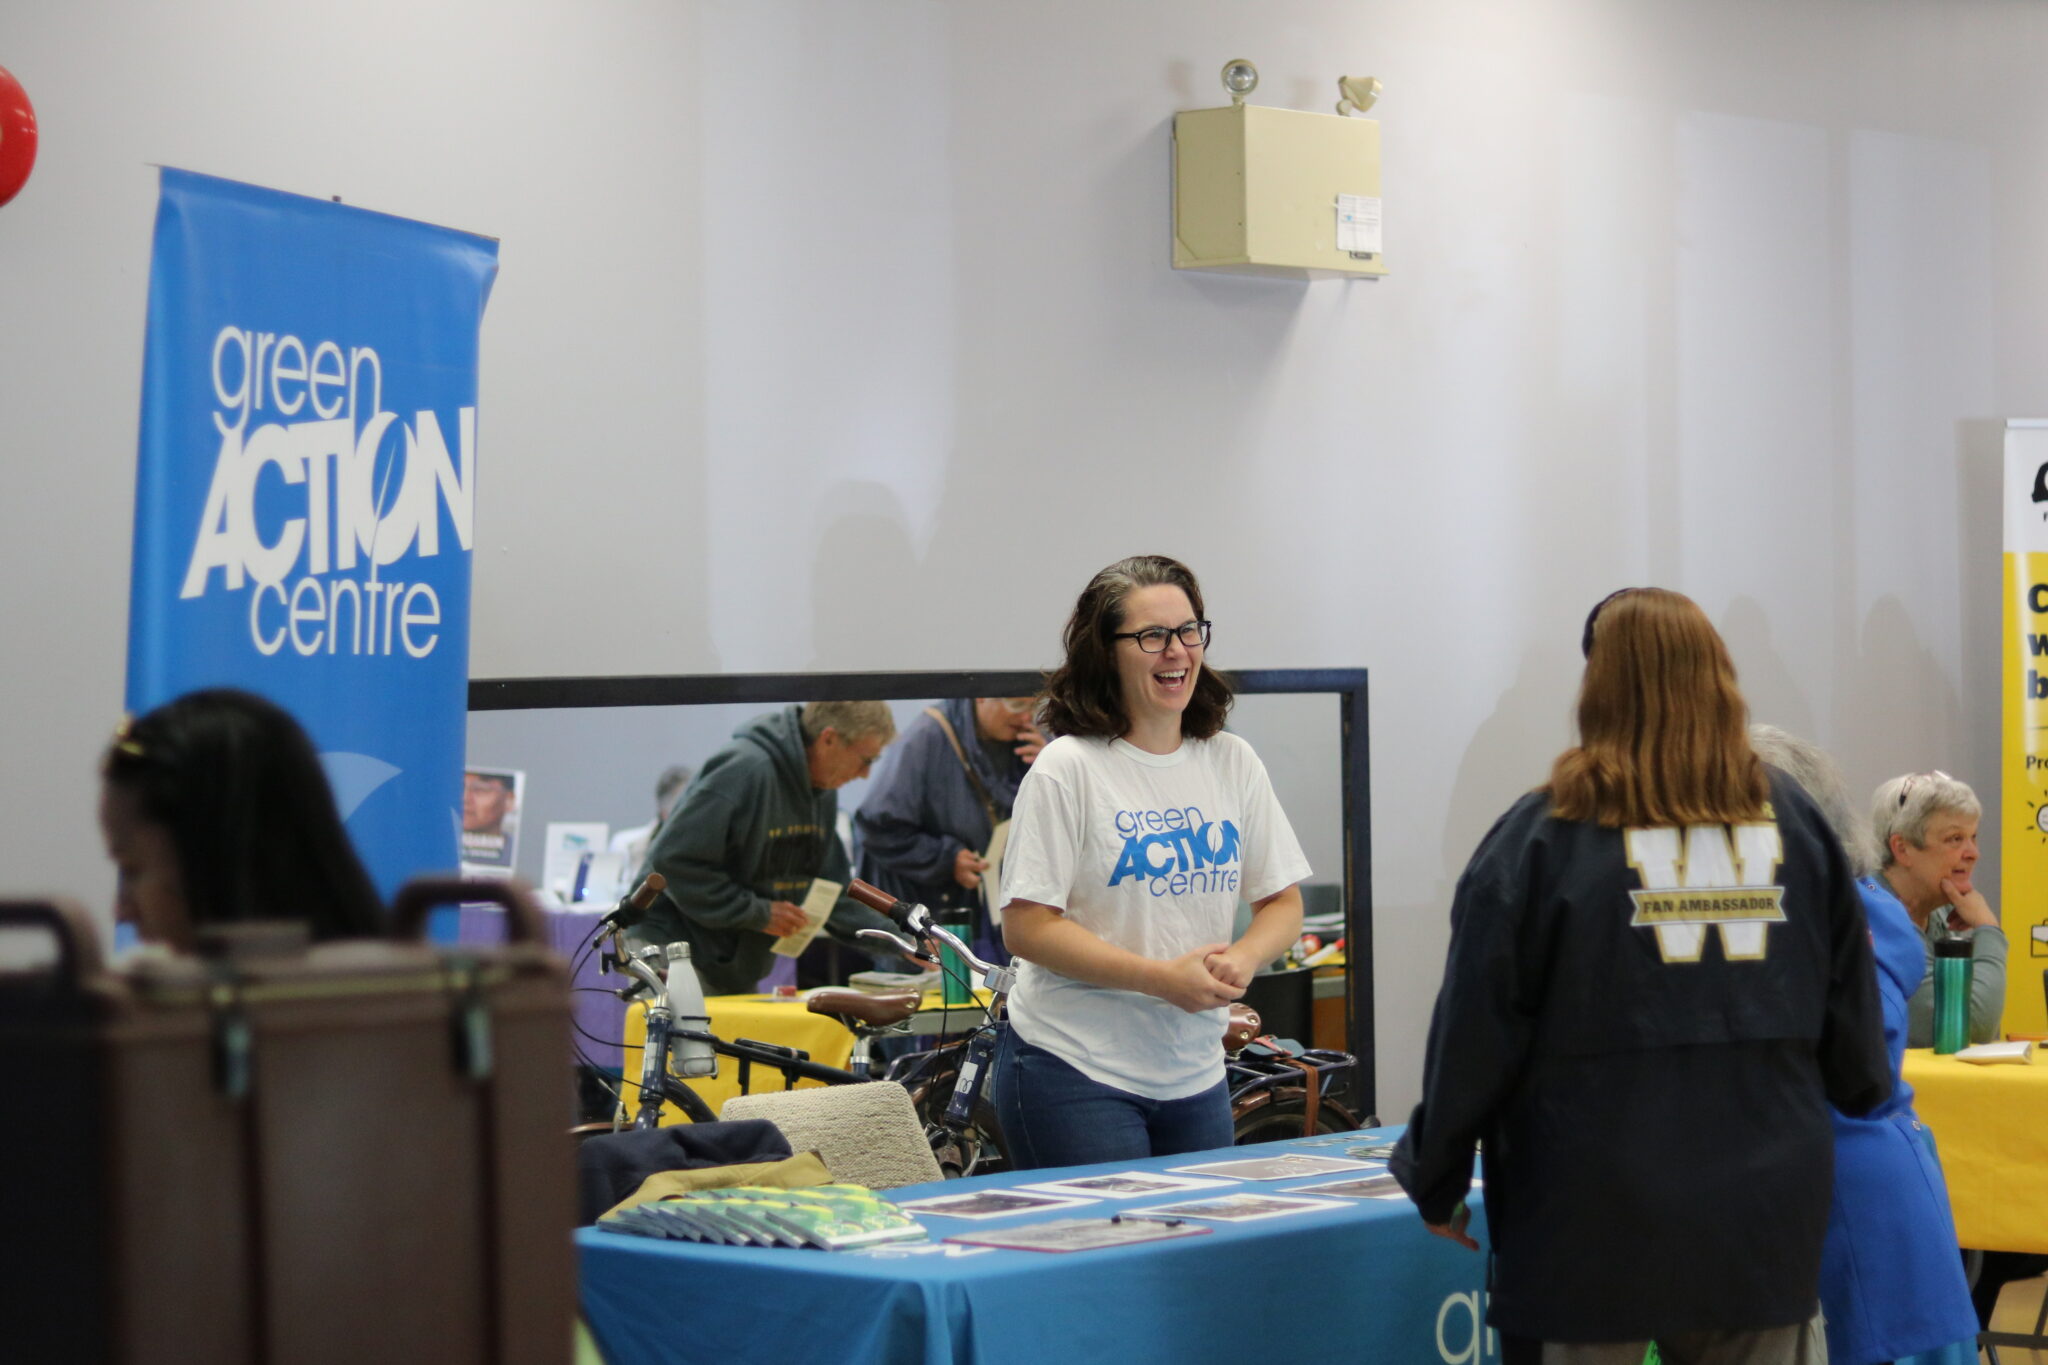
(1912, 780)
(1586, 636)
(124, 738)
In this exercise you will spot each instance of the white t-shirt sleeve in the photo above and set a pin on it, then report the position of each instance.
(1046, 827)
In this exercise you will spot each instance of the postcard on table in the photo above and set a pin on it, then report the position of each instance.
(1379, 1185)
(1124, 1184)
(1237, 1208)
(944, 1251)
(991, 1203)
(1079, 1234)
(1274, 1167)
(1375, 1150)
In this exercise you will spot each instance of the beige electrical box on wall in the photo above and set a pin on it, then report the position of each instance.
(1264, 191)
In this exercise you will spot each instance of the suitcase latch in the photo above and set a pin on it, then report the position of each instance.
(232, 1041)
(471, 1022)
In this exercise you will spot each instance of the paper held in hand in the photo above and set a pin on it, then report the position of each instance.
(817, 908)
(992, 876)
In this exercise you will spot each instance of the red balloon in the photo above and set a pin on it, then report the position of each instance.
(17, 136)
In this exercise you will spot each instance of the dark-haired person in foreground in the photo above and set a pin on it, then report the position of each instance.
(1659, 979)
(1135, 834)
(216, 811)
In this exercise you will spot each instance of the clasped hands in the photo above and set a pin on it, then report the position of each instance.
(1206, 978)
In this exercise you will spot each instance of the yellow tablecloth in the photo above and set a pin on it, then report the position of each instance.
(766, 1019)
(1991, 1123)
(763, 1018)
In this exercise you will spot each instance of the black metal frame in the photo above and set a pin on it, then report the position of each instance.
(1347, 684)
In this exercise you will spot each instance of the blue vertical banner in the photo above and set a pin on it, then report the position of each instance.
(306, 489)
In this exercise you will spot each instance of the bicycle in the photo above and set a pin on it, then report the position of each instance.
(1274, 1091)
(1277, 1093)
(679, 1044)
(946, 1083)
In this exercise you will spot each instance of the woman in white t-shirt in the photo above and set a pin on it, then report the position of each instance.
(1134, 837)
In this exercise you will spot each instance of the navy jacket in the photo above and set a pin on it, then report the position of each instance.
(1645, 1028)
(921, 810)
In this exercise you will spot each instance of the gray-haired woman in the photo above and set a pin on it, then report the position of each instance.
(1926, 830)
(1891, 1285)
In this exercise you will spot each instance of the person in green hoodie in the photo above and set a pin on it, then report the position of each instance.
(753, 831)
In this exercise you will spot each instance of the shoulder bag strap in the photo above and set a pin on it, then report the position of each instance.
(973, 778)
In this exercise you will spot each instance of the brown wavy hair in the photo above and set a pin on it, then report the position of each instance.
(1663, 728)
(1084, 696)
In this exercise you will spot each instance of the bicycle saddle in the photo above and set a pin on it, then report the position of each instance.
(876, 1011)
(1240, 1028)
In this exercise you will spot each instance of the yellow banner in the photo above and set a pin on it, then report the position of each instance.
(2024, 876)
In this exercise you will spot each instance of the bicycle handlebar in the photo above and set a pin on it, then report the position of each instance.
(633, 908)
(628, 912)
(647, 977)
(916, 921)
(875, 898)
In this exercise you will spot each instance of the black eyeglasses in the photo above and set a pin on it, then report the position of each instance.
(1193, 635)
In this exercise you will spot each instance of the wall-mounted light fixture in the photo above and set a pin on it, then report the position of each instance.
(1240, 78)
(1278, 192)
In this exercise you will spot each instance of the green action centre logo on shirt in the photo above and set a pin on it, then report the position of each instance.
(1177, 851)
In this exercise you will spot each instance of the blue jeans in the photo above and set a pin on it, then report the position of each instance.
(1052, 1115)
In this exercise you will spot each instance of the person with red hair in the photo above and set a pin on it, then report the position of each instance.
(1659, 980)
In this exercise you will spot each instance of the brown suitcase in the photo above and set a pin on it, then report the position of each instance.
(355, 1152)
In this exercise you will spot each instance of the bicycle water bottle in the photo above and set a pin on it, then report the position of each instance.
(956, 978)
(1951, 995)
(694, 1058)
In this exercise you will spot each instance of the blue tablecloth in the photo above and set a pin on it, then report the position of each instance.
(1364, 1282)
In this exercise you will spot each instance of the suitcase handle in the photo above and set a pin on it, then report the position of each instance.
(78, 944)
(410, 906)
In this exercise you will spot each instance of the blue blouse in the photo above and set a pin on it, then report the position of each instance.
(1891, 1279)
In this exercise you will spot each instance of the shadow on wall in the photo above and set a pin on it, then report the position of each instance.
(1899, 703)
(1510, 754)
(1767, 684)
(1172, 379)
(1513, 748)
(867, 611)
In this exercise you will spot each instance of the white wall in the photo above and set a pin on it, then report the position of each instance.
(841, 335)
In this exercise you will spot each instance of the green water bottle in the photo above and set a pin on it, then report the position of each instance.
(1951, 995)
(956, 978)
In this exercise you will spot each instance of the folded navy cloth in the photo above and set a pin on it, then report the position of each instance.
(612, 1165)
